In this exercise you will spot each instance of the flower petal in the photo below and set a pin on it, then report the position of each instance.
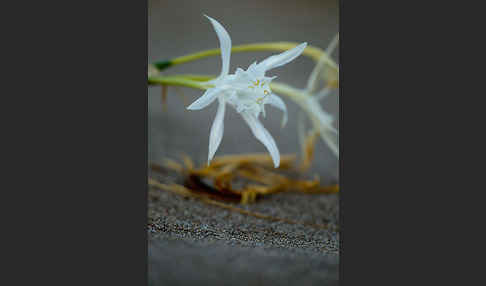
(216, 130)
(323, 93)
(316, 110)
(322, 68)
(281, 59)
(322, 121)
(316, 74)
(224, 44)
(331, 137)
(206, 99)
(332, 46)
(263, 135)
(277, 102)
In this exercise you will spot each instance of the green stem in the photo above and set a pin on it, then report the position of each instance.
(313, 52)
(177, 80)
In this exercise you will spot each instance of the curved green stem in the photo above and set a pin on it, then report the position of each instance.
(313, 52)
(178, 80)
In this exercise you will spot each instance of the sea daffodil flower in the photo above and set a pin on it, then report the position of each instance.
(321, 120)
(247, 91)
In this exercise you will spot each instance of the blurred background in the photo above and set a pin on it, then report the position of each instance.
(178, 27)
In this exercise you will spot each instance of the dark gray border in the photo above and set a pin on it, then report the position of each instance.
(84, 156)
(388, 183)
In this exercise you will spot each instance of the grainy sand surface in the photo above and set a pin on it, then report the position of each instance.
(191, 241)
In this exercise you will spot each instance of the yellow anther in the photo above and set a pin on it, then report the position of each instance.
(257, 82)
(266, 92)
(251, 86)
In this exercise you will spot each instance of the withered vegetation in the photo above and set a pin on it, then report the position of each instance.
(244, 179)
(254, 173)
(217, 183)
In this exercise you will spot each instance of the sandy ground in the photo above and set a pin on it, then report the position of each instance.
(176, 262)
(193, 243)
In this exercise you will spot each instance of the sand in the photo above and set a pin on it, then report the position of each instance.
(193, 243)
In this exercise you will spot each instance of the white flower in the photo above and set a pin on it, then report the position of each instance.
(247, 91)
(322, 120)
(308, 100)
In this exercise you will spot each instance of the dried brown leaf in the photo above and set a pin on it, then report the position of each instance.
(188, 162)
(255, 158)
(308, 152)
(171, 164)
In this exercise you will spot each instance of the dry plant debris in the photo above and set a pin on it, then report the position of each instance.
(185, 192)
(257, 173)
(254, 173)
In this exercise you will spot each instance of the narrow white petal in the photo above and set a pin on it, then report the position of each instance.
(316, 110)
(255, 70)
(263, 135)
(322, 121)
(331, 138)
(332, 46)
(323, 93)
(276, 101)
(322, 66)
(282, 59)
(313, 82)
(224, 44)
(239, 72)
(206, 99)
(216, 130)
